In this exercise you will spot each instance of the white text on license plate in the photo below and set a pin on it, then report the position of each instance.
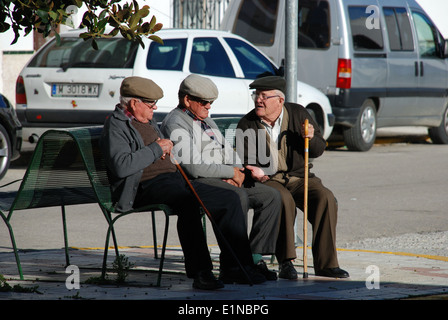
(74, 90)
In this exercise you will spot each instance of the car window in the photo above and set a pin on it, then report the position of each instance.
(398, 29)
(314, 24)
(364, 35)
(426, 35)
(256, 21)
(169, 56)
(76, 53)
(209, 57)
(250, 59)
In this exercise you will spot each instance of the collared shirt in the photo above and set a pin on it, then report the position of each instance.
(274, 131)
(127, 113)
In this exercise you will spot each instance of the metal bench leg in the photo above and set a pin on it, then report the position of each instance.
(13, 242)
(64, 226)
(154, 235)
(110, 230)
(162, 258)
(106, 248)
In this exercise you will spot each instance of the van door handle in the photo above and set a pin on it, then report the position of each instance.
(421, 68)
(416, 68)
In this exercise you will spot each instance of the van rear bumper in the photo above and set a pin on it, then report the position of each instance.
(347, 104)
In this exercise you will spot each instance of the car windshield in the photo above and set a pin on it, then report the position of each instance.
(251, 60)
(76, 53)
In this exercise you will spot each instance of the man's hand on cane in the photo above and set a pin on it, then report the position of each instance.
(166, 145)
(310, 134)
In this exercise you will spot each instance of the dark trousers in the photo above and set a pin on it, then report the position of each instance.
(322, 214)
(224, 207)
(266, 203)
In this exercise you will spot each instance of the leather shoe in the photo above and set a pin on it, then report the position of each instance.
(263, 269)
(287, 271)
(205, 280)
(333, 273)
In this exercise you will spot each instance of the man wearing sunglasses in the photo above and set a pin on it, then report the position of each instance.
(140, 173)
(207, 157)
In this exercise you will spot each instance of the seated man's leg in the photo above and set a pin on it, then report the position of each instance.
(267, 205)
(225, 207)
(170, 189)
(286, 239)
(322, 214)
(231, 232)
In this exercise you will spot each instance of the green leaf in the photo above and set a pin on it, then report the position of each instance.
(43, 15)
(58, 38)
(152, 23)
(156, 39)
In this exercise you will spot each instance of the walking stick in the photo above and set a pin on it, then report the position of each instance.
(305, 205)
(219, 234)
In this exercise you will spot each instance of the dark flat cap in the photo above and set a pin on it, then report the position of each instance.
(200, 87)
(269, 83)
(138, 87)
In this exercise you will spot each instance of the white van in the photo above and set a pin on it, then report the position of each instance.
(381, 63)
(70, 84)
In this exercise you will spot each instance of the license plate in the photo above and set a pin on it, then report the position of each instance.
(74, 90)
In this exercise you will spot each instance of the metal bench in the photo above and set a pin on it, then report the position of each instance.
(67, 168)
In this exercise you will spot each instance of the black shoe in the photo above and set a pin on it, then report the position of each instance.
(236, 275)
(205, 280)
(263, 269)
(333, 273)
(287, 271)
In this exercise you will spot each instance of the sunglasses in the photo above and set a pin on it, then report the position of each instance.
(151, 103)
(202, 102)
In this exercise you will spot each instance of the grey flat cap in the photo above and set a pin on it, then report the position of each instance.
(200, 87)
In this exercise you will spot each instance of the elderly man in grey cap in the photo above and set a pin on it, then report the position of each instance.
(283, 124)
(140, 173)
(207, 157)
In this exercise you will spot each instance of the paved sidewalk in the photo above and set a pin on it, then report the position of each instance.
(373, 276)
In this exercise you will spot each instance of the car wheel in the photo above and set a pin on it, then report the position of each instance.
(439, 135)
(362, 135)
(5, 151)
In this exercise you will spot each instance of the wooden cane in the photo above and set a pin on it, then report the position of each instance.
(305, 205)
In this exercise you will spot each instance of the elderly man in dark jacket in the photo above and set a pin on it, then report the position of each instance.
(141, 173)
(282, 128)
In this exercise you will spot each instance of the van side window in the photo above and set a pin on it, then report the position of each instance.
(426, 35)
(169, 56)
(251, 60)
(398, 29)
(209, 57)
(256, 21)
(366, 29)
(314, 24)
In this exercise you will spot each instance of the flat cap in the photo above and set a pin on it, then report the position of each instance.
(269, 83)
(138, 87)
(200, 87)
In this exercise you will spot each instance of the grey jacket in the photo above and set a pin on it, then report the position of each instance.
(199, 156)
(126, 157)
